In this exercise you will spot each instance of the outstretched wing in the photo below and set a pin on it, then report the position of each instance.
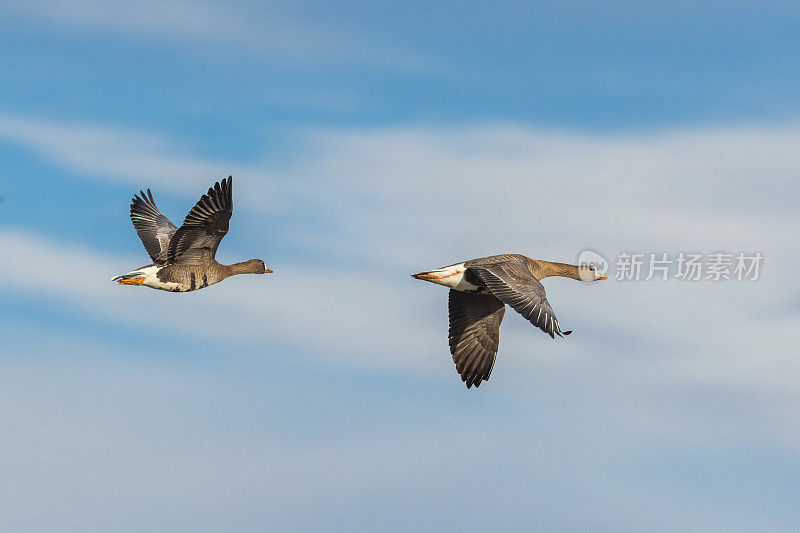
(513, 284)
(474, 334)
(197, 240)
(154, 229)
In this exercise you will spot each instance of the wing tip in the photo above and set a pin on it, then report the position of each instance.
(221, 190)
(469, 382)
(473, 378)
(143, 197)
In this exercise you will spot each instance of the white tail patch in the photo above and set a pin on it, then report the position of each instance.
(150, 275)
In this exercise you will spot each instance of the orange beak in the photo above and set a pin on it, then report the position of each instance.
(131, 281)
(267, 270)
(602, 276)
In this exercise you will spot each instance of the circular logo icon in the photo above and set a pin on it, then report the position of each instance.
(593, 259)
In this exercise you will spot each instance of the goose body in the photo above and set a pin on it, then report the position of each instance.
(180, 278)
(184, 258)
(479, 291)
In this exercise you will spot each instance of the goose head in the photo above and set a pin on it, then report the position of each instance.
(253, 266)
(260, 267)
(590, 273)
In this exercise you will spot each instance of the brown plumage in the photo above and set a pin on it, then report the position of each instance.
(184, 258)
(480, 289)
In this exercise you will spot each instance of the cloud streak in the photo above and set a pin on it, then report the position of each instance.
(397, 200)
(659, 377)
(222, 29)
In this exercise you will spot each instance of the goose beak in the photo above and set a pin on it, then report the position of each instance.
(267, 270)
(130, 281)
(602, 276)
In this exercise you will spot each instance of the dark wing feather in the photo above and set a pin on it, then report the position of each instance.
(474, 334)
(197, 240)
(513, 284)
(154, 229)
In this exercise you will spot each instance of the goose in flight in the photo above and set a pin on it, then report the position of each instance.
(479, 292)
(183, 258)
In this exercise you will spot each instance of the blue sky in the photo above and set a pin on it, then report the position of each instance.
(368, 141)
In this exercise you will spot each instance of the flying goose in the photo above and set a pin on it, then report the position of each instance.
(479, 292)
(183, 258)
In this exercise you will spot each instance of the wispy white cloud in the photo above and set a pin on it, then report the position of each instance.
(120, 428)
(103, 152)
(300, 305)
(487, 188)
(212, 28)
(389, 192)
(396, 200)
(654, 369)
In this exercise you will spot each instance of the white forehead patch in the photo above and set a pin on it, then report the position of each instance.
(590, 258)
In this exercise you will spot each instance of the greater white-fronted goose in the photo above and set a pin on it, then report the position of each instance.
(183, 258)
(479, 292)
